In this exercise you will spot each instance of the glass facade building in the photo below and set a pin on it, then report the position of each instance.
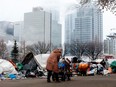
(84, 24)
(37, 26)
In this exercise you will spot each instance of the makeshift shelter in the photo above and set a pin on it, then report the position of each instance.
(41, 59)
(34, 64)
(13, 63)
(29, 62)
(7, 67)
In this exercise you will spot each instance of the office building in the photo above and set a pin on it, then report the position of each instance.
(6, 30)
(110, 44)
(84, 24)
(39, 26)
(18, 27)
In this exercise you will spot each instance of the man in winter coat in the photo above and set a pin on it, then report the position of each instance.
(52, 64)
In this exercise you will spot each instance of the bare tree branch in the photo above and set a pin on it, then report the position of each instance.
(39, 48)
(2, 49)
(94, 49)
(102, 4)
(66, 49)
(77, 48)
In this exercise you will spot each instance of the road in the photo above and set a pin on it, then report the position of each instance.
(77, 81)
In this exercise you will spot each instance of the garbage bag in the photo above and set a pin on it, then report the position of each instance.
(83, 66)
(113, 64)
(12, 76)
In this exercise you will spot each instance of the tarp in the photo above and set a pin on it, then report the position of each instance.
(29, 62)
(41, 59)
(13, 63)
(111, 60)
(27, 58)
(97, 60)
(113, 64)
(7, 67)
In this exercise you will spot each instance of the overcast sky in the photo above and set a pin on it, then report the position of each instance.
(13, 10)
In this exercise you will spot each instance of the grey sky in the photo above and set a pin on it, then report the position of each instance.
(109, 22)
(13, 10)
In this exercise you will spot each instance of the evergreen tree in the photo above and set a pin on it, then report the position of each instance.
(15, 52)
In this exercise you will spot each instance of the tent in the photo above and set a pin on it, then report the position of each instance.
(29, 62)
(41, 59)
(7, 67)
(35, 64)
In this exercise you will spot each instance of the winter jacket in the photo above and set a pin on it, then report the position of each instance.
(53, 59)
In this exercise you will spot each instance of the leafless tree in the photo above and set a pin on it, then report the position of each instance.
(38, 48)
(94, 49)
(66, 49)
(77, 48)
(106, 47)
(103, 4)
(3, 49)
(55, 46)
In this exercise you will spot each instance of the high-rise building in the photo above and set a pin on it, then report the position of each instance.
(18, 27)
(56, 34)
(110, 44)
(6, 30)
(37, 26)
(69, 26)
(55, 15)
(84, 24)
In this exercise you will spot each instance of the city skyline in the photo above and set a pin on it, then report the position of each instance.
(14, 10)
